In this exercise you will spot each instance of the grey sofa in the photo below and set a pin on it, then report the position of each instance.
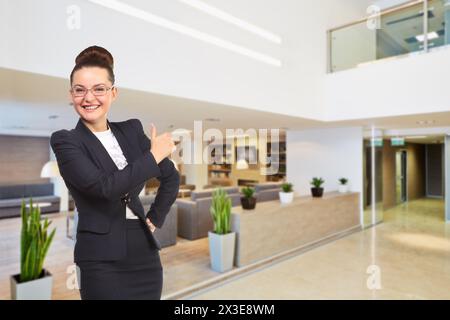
(11, 198)
(267, 191)
(194, 217)
(167, 235)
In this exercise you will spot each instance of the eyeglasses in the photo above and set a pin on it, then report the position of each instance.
(99, 90)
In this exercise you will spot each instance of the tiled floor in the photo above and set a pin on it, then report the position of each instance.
(409, 253)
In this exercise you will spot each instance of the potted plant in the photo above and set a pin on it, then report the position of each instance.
(248, 201)
(33, 282)
(221, 240)
(343, 185)
(287, 193)
(317, 190)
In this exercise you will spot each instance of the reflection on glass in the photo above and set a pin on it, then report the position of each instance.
(399, 32)
(438, 23)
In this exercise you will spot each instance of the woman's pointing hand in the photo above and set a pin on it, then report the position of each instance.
(162, 145)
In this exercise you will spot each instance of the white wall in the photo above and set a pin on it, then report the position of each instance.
(409, 85)
(154, 59)
(327, 153)
(4, 28)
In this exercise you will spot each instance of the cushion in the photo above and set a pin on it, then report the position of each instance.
(38, 190)
(19, 191)
(12, 191)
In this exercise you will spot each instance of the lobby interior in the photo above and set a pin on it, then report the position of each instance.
(308, 88)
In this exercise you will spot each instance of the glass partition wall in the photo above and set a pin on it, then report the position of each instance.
(395, 32)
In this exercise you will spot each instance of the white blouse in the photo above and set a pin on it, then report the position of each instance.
(111, 145)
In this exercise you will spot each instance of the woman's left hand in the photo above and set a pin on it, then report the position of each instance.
(150, 225)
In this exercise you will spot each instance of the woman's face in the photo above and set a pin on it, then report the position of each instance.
(92, 105)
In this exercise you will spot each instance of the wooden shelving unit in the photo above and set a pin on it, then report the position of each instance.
(219, 167)
(279, 158)
(223, 172)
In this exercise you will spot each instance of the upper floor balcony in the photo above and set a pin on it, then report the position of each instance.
(390, 34)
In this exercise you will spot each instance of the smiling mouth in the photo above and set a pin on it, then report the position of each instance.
(90, 107)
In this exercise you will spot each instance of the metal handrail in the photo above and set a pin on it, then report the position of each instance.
(382, 13)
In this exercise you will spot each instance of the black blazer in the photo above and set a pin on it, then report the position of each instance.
(101, 191)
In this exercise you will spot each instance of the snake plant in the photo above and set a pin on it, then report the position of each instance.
(34, 242)
(221, 211)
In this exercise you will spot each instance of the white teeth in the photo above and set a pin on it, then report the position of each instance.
(90, 107)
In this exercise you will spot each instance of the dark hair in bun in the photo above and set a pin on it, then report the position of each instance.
(94, 56)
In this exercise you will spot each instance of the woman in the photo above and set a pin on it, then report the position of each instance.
(105, 165)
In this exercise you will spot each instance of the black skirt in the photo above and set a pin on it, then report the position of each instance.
(139, 276)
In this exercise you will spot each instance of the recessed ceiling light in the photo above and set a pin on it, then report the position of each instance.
(188, 31)
(212, 120)
(431, 36)
(426, 122)
(416, 137)
(224, 16)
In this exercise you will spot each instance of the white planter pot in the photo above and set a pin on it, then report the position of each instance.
(343, 188)
(39, 289)
(286, 197)
(221, 251)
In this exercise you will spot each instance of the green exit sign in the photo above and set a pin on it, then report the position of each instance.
(397, 142)
(377, 142)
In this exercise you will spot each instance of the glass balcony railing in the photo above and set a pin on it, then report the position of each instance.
(394, 32)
